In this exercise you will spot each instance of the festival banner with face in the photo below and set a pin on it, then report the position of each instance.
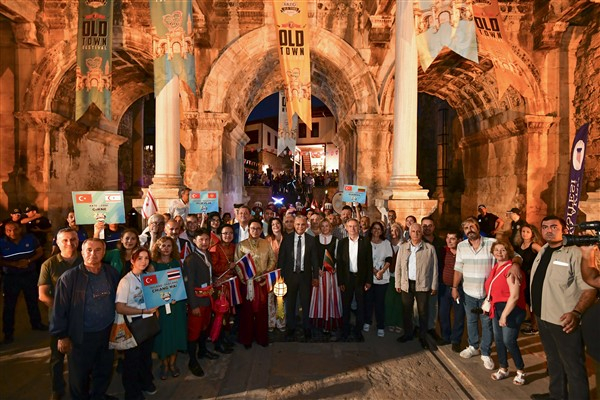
(444, 23)
(291, 25)
(93, 74)
(173, 43)
(492, 40)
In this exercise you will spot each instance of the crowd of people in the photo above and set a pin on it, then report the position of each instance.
(343, 274)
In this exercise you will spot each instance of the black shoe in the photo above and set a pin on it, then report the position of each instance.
(424, 343)
(442, 342)
(404, 338)
(196, 369)
(247, 346)
(307, 335)
(540, 396)
(208, 354)
(150, 390)
(8, 339)
(40, 327)
(289, 336)
(456, 347)
(434, 335)
(223, 350)
(359, 337)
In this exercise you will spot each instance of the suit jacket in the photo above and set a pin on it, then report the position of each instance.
(286, 256)
(364, 258)
(196, 273)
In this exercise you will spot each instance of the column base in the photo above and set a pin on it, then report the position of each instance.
(162, 195)
(409, 198)
(591, 207)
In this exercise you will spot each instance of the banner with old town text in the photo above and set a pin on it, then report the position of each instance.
(444, 23)
(493, 44)
(291, 24)
(93, 74)
(173, 43)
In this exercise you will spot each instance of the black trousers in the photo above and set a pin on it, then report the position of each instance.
(12, 284)
(353, 289)
(298, 283)
(408, 299)
(566, 361)
(57, 367)
(90, 366)
(375, 300)
(137, 370)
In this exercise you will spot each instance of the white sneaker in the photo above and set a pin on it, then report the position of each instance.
(366, 327)
(469, 352)
(380, 332)
(488, 363)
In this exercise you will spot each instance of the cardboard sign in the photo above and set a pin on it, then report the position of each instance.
(204, 202)
(163, 287)
(91, 207)
(353, 193)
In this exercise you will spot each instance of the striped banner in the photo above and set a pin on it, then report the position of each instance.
(235, 295)
(93, 74)
(247, 266)
(173, 43)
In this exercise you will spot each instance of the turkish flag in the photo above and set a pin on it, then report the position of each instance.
(348, 188)
(150, 280)
(84, 198)
(195, 195)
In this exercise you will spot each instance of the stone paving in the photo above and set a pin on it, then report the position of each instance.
(379, 368)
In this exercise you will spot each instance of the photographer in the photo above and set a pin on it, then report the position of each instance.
(559, 297)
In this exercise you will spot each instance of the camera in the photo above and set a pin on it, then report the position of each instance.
(584, 240)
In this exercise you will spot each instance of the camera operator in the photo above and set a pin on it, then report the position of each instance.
(590, 270)
(559, 297)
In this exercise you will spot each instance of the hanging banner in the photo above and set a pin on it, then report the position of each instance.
(286, 136)
(173, 44)
(447, 23)
(291, 23)
(492, 41)
(577, 165)
(93, 74)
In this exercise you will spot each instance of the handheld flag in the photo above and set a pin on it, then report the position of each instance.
(328, 261)
(149, 207)
(247, 267)
(272, 278)
(235, 295)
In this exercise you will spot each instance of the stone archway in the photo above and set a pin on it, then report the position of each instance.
(248, 71)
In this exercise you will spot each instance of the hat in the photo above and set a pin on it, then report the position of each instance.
(328, 206)
(16, 211)
(31, 208)
(257, 204)
(515, 210)
(481, 206)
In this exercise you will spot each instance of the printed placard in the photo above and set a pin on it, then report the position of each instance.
(91, 207)
(163, 287)
(204, 202)
(354, 193)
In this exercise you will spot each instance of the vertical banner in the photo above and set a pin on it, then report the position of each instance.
(444, 23)
(577, 165)
(93, 73)
(492, 40)
(173, 44)
(286, 134)
(291, 24)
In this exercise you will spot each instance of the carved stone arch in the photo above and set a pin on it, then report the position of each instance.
(248, 71)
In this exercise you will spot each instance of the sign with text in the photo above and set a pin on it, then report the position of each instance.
(163, 287)
(204, 202)
(354, 193)
(91, 207)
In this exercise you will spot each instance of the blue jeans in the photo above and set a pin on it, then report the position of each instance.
(451, 332)
(472, 325)
(506, 336)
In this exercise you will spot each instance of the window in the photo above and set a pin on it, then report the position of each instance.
(301, 131)
(315, 130)
(268, 138)
(253, 135)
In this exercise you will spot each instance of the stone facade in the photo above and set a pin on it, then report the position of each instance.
(509, 151)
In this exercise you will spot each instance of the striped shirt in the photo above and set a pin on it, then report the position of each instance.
(475, 265)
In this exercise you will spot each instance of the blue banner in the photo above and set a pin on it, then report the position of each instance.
(576, 177)
(204, 202)
(163, 287)
(353, 193)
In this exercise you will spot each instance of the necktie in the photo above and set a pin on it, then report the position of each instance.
(298, 262)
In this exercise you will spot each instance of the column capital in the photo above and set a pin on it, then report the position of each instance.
(213, 121)
(503, 131)
(372, 121)
(539, 123)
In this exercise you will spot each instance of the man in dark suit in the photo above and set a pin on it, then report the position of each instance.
(240, 228)
(355, 275)
(299, 268)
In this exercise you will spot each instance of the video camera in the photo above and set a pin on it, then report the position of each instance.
(584, 240)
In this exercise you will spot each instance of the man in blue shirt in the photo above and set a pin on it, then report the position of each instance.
(19, 254)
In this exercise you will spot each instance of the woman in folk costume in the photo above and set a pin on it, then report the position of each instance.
(254, 313)
(326, 300)
(274, 237)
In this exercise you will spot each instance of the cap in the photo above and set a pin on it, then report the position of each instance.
(515, 210)
(16, 211)
(31, 208)
(257, 204)
(481, 206)
(328, 206)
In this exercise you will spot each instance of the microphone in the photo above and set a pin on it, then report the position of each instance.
(590, 225)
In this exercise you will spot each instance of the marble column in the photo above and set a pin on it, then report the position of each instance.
(234, 140)
(407, 195)
(137, 147)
